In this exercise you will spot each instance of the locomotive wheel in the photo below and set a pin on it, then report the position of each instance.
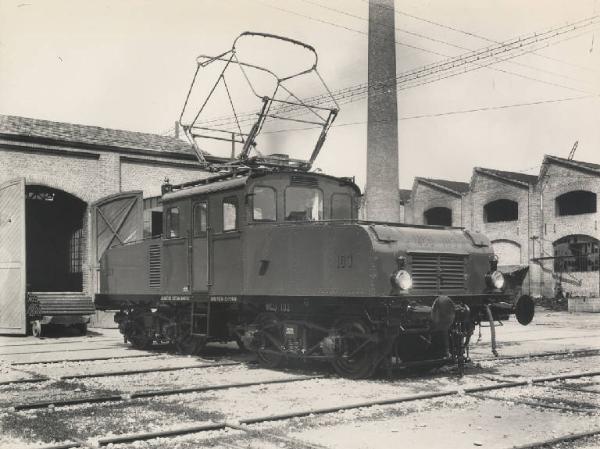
(356, 359)
(270, 332)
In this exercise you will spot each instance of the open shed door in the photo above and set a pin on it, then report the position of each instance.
(116, 219)
(13, 282)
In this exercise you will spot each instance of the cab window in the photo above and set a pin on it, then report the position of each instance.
(303, 204)
(200, 216)
(230, 207)
(264, 204)
(341, 206)
(172, 223)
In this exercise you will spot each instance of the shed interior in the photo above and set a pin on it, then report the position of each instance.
(55, 240)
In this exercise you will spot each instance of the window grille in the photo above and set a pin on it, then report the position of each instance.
(76, 252)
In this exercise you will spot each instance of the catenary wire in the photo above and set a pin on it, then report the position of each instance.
(441, 41)
(363, 86)
(479, 36)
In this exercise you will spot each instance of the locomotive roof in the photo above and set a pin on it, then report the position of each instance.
(237, 179)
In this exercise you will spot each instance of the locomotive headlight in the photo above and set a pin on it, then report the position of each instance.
(495, 279)
(403, 280)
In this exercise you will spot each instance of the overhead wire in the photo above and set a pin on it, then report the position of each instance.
(515, 42)
(441, 41)
(309, 17)
(419, 76)
(479, 36)
(448, 113)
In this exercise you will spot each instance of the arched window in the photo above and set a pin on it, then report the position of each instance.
(500, 210)
(441, 216)
(576, 253)
(576, 202)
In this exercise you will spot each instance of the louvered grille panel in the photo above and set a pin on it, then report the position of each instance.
(304, 181)
(439, 273)
(154, 266)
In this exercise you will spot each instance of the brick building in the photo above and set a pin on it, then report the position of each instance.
(568, 235)
(547, 222)
(438, 202)
(69, 169)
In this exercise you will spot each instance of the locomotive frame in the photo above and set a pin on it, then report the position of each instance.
(303, 284)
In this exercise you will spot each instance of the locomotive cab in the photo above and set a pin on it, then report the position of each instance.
(277, 260)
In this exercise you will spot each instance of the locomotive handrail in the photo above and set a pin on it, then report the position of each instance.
(361, 222)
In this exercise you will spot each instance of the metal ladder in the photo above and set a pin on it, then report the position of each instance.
(200, 318)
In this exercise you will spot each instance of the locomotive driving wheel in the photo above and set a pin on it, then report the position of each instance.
(356, 357)
(269, 341)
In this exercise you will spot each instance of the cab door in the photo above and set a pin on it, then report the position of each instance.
(13, 282)
(200, 231)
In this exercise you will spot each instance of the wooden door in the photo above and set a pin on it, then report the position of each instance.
(13, 282)
(115, 220)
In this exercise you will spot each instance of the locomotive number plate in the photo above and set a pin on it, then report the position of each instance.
(344, 261)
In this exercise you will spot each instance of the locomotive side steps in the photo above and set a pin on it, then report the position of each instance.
(200, 318)
(65, 308)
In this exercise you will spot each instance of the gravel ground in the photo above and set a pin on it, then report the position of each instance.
(186, 378)
(505, 418)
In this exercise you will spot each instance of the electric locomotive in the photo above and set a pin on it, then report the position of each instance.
(276, 259)
(272, 255)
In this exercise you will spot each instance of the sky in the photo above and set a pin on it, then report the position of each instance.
(127, 64)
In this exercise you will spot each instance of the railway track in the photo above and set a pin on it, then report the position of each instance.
(575, 353)
(116, 373)
(152, 393)
(241, 424)
(41, 342)
(566, 354)
(101, 348)
(41, 362)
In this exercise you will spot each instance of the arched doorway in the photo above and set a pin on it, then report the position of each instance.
(55, 240)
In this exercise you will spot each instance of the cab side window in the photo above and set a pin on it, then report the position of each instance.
(341, 206)
(230, 209)
(173, 223)
(200, 218)
(264, 204)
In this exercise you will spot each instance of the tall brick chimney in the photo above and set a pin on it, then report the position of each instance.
(382, 195)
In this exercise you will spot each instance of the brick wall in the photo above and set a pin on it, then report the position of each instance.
(485, 189)
(149, 176)
(556, 181)
(91, 175)
(425, 197)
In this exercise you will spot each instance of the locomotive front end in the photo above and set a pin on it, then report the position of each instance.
(362, 295)
(445, 282)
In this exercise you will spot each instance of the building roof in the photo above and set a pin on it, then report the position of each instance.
(455, 187)
(23, 127)
(509, 175)
(405, 196)
(575, 164)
